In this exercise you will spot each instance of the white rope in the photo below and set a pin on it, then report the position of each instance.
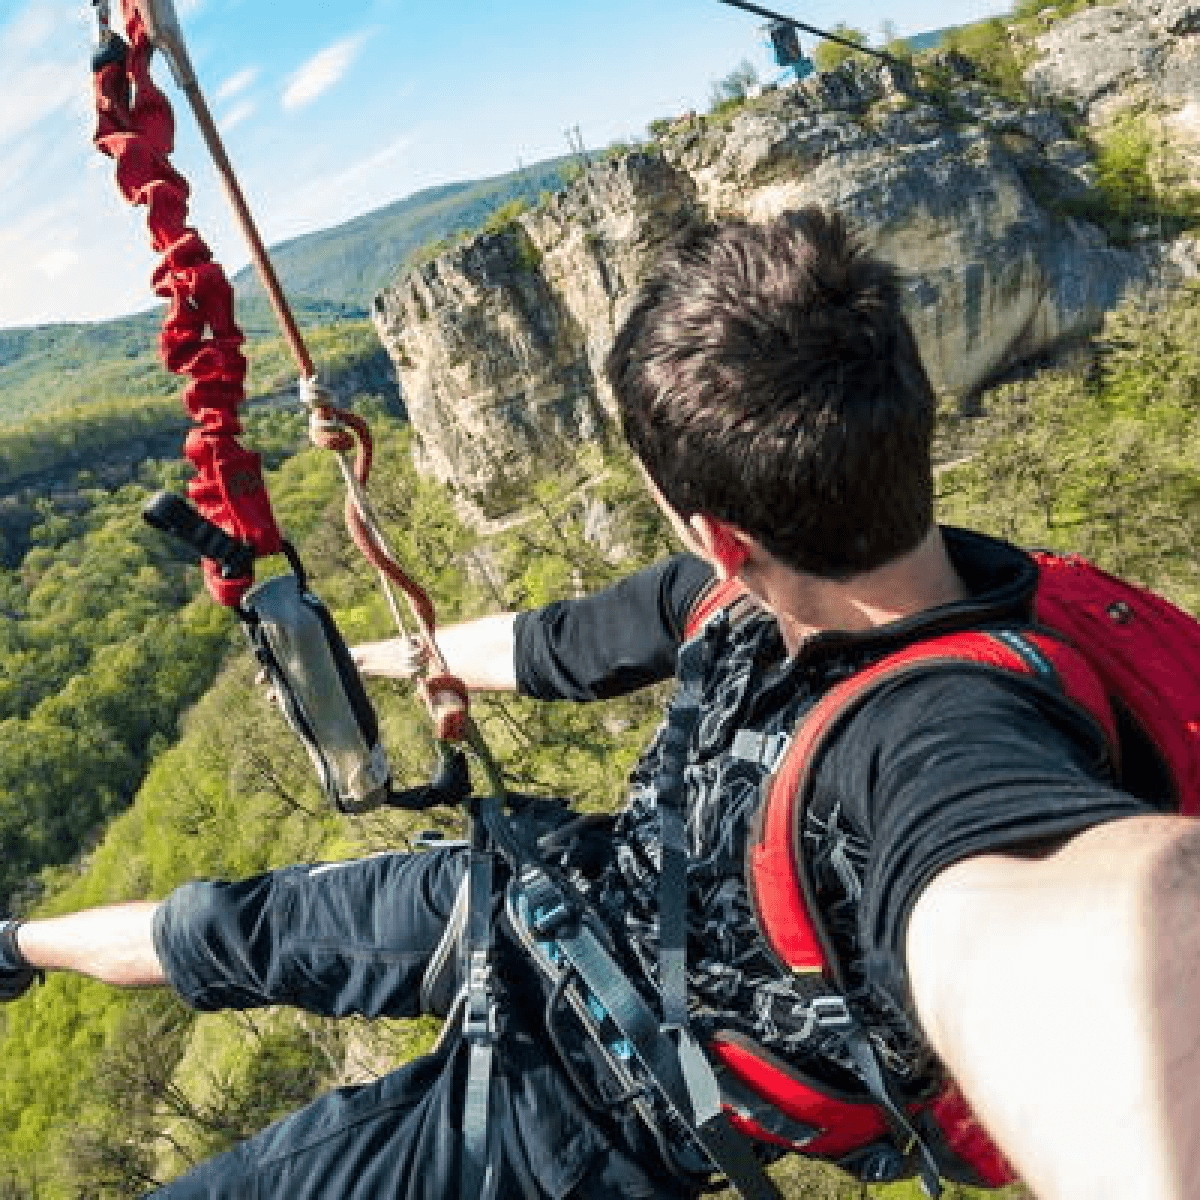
(367, 516)
(312, 394)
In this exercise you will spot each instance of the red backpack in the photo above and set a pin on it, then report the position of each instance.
(1126, 655)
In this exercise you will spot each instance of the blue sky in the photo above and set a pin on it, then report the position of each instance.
(329, 110)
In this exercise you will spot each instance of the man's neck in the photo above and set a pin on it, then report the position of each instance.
(922, 579)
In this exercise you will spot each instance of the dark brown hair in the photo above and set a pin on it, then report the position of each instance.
(767, 375)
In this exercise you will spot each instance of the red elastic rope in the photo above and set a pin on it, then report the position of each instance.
(200, 337)
(445, 695)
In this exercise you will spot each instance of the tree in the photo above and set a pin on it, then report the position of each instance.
(735, 87)
(830, 55)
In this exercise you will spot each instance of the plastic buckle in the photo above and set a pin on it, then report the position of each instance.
(479, 1017)
(832, 1012)
(435, 839)
(548, 906)
(547, 921)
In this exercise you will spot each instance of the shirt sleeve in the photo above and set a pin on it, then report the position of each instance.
(938, 768)
(612, 642)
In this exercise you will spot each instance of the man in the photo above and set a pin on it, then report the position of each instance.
(1001, 910)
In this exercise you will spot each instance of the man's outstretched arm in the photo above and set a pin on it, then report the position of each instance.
(1063, 993)
(604, 644)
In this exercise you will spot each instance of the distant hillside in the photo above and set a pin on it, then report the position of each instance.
(49, 368)
(348, 264)
(327, 275)
(930, 40)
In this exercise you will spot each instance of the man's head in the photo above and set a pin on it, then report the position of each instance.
(766, 376)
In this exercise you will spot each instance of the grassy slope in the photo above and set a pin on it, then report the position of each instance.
(347, 265)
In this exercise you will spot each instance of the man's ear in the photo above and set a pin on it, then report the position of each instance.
(725, 545)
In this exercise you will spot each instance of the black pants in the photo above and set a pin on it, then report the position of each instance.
(356, 937)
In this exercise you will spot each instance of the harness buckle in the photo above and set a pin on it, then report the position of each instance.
(549, 907)
(833, 1013)
(479, 1017)
(762, 749)
(548, 921)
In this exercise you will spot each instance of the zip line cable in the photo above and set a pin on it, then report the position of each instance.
(937, 76)
(758, 11)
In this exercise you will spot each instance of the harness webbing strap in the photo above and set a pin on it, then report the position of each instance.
(904, 1133)
(479, 1021)
(672, 1058)
(672, 954)
(682, 718)
(200, 337)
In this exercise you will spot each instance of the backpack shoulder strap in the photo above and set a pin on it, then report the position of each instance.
(728, 595)
(779, 886)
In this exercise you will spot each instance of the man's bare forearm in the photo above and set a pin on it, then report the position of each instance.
(1063, 993)
(479, 652)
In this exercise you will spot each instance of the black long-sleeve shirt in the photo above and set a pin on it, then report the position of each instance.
(611, 642)
(930, 771)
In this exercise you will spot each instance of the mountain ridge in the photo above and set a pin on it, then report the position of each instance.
(368, 251)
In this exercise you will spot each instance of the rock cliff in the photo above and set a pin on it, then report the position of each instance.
(1133, 57)
(499, 343)
(1114, 57)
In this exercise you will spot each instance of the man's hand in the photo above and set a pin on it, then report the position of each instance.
(397, 658)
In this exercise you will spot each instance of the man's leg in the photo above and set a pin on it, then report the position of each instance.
(114, 944)
(396, 1137)
(335, 938)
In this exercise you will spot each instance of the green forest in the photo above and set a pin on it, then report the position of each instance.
(120, 679)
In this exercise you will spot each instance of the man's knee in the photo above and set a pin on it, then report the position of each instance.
(201, 939)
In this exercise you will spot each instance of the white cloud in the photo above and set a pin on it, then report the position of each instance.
(71, 247)
(237, 114)
(16, 167)
(321, 72)
(330, 198)
(72, 265)
(30, 28)
(236, 84)
(366, 167)
(58, 262)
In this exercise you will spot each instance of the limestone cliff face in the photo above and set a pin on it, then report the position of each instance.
(1132, 52)
(493, 366)
(499, 344)
(993, 276)
(594, 239)
(1138, 56)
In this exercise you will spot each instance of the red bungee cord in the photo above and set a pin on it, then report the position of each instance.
(199, 338)
(445, 695)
